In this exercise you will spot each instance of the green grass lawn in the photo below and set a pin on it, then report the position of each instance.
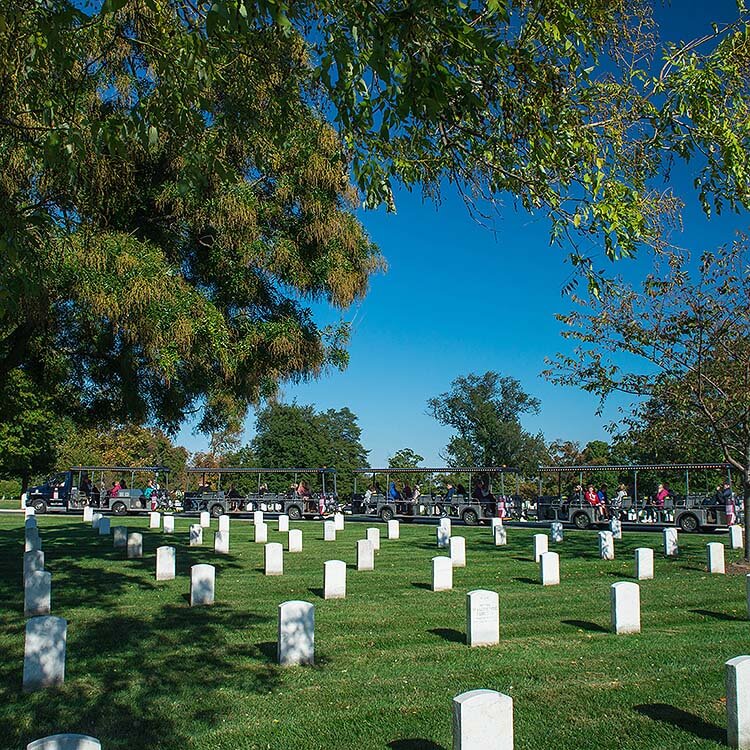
(146, 671)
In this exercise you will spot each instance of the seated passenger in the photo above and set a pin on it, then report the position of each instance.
(416, 493)
(461, 490)
(263, 489)
(406, 493)
(303, 490)
(233, 492)
(477, 493)
(591, 497)
(450, 491)
(393, 492)
(114, 489)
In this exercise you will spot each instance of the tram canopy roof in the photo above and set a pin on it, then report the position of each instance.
(163, 469)
(252, 470)
(443, 470)
(631, 467)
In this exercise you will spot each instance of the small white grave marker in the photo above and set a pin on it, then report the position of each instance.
(556, 532)
(501, 536)
(154, 520)
(338, 521)
(735, 536)
(373, 536)
(95, 518)
(365, 555)
(88, 514)
(120, 537)
(32, 561)
(224, 522)
(295, 540)
(329, 531)
(626, 607)
(261, 532)
(257, 517)
(457, 548)
(334, 579)
(296, 639)
(549, 569)
(540, 546)
(671, 545)
(394, 529)
(135, 546)
(103, 527)
(644, 563)
(715, 557)
(44, 653)
(33, 541)
(196, 534)
(616, 528)
(482, 720)
(169, 524)
(165, 563)
(65, 742)
(606, 545)
(274, 559)
(221, 542)
(482, 618)
(202, 585)
(283, 523)
(205, 519)
(738, 702)
(37, 594)
(30, 522)
(442, 574)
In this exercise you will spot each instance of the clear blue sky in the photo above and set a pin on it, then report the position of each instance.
(459, 298)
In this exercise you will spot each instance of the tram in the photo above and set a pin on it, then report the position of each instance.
(247, 489)
(692, 506)
(441, 498)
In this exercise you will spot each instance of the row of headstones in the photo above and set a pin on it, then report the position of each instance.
(482, 719)
(37, 582)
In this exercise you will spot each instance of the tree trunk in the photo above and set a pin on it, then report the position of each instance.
(746, 509)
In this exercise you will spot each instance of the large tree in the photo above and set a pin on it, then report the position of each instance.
(681, 341)
(175, 189)
(485, 411)
(291, 435)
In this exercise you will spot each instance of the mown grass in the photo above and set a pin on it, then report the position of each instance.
(144, 670)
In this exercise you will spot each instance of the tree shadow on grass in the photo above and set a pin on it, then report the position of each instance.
(414, 744)
(317, 591)
(449, 634)
(718, 615)
(526, 580)
(420, 585)
(591, 627)
(682, 720)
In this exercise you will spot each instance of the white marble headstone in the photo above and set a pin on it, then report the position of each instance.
(616, 528)
(549, 569)
(556, 532)
(165, 563)
(482, 618)
(442, 574)
(365, 555)
(202, 585)
(338, 521)
(606, 545)
(135, 545)
(32, 561)
(334, 579)
(257, 517)
(274, 559)
(154, 520)
(88, 514)
(283, 523)
(644, 563)
(541, 546)
(221, 542)
(295, 540)
(261, 533)
(626, 607)
(735, 537)
(329, 531)
(715, 558)
(205, 519)
(373, 536)
(120, 537)
(394, 529)
(224, 522)
(104, 524)
(65, 742)
(296, 638)
(482, 720)
(671, 545)
(501, 536)
(457, 549)
(44, 653)
(37, 594)
(738, 702)
(196, 534)
(168, 524)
